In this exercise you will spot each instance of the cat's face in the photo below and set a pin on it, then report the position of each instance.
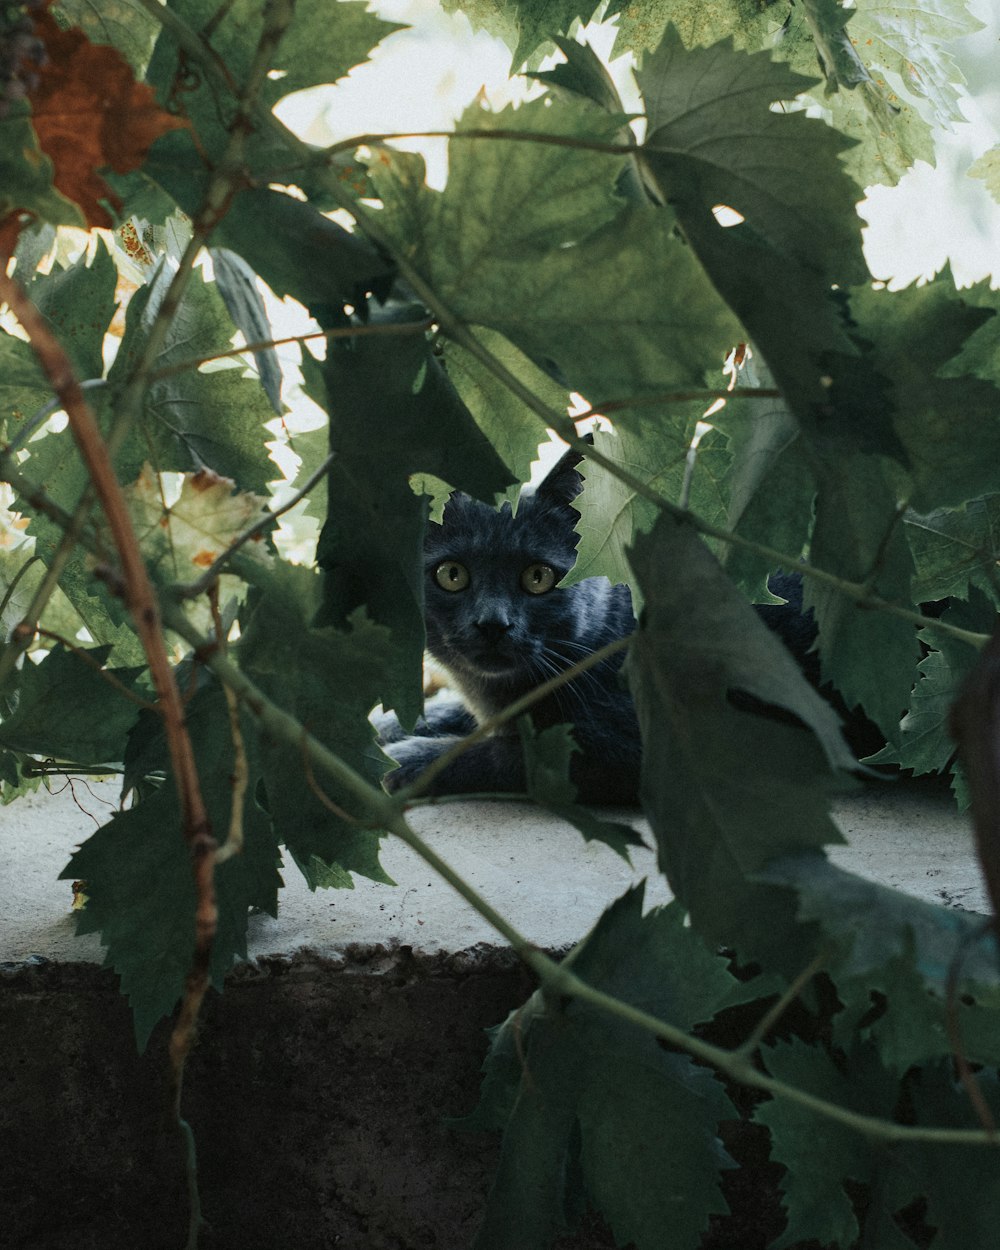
(494, 606)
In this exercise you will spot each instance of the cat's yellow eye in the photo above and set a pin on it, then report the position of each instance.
(538, 578)
(452, 576)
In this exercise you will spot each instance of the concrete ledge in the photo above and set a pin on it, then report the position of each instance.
(322, 1075)
(536, 870)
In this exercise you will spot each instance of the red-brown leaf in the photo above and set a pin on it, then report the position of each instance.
(90, 114)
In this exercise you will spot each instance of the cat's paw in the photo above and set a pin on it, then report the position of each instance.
(413, 755)
(387, 727)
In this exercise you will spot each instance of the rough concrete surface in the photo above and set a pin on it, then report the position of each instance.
(319, 1085)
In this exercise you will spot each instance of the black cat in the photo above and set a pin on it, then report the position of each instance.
(500, 623)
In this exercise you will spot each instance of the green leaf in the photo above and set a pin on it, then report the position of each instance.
(26, 173)
(613, 514)
(516, 243)
(24, 388)
(987, 167)
(725, 788)
(512, 428)
(371, 544)
(328, 680)
(546, 760)
(583, 73)
(323, 44)
(873, 924)
(298, 251)
(955, 549)
(948, 426)
(925, 743)
(140, 887)
(909, 1021)
(713, 138)
(124, 25)
(909, 38)
(79, 302)
(141, 900)
(868, 656)
(771, 487)
(525, 26)
(818, 1160)
(65, 709)
(589, 1099)
(211, 417)
(963, 1203)
(237, 284)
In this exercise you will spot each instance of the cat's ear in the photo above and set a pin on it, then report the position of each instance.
(564, 481)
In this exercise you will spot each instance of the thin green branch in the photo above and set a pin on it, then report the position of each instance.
(509, 713)
(193, 589)
(376, 807)
(337, 332)
(384, 811)
(561, 981)
(777, 1009)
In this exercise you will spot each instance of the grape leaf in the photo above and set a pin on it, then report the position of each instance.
(237, 284)
(771, 487)
(925, 741)
(818, 1162)
(140, 888)
(188, 536)
(909, 39)
(713, 138)
(963, 1204)
(119, 22)
(987, 167)
(598, 1100)
(868, 656)
(948, 425)
(322, 45)
(872, 923)
(955, 549)
(296, 250)
(89, 113)
(723, 785)
(328, 680)
(26, 179)
(546, 762)
(911, 1023)
(525, 26)
(512, 428)
(64, 708)
(371, 545)
(582, 299)
(195, 419)
(612, 513)
(79, 302)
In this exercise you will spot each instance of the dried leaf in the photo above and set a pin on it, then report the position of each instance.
(193, 532)
(89, 114)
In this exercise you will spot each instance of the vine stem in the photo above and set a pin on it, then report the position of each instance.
(203, 583)
(335, 332)
(564, 426)
(141, 600)
(558, 980)
(509, 713)
(458, 331)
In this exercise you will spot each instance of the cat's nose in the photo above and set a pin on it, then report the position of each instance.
(493, 629)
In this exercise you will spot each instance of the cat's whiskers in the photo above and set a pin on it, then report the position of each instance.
(558, 663)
